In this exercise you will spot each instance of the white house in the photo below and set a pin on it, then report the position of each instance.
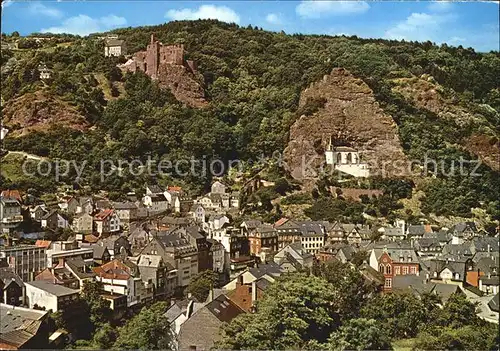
(114, 47)
(50, 296)
(346, 159)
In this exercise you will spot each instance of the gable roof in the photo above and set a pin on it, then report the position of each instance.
(43, 243)
(155, 189)
(11, 194)
(103, 214)
(54, 289)
(224, 309)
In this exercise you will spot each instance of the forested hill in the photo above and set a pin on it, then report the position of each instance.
(444, 100)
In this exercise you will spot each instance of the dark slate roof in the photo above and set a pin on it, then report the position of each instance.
(224, 309)
(124, 205)
(53, 289)
(393, 232)
(494, 303)
(155, 189)
(7, 275)
(262, 283)
(271, 268)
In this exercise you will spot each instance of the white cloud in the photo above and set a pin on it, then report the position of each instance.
(440, 6)
(37, 8)
(274, 18)
(84, 25)
(6, 3)
(419, 27)
(221, 13)
(318, 8)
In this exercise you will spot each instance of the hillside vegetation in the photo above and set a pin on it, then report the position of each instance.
(443, 100)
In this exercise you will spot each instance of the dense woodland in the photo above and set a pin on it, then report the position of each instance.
(253, 79)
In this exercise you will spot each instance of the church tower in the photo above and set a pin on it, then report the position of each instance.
(329, 153)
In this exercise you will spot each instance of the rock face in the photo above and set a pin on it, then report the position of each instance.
(40, 111)
(186, 86)
(426, 94)
(352, 112)
(166, 64)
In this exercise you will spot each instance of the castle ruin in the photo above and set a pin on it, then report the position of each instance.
(156, 55)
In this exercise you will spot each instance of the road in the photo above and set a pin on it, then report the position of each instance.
(484, 310)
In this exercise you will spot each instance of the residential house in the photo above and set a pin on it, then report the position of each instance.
(428, 246)
(12, 194)
(199, 240)
(23, 328)
(107, 222)
(246, 295)
(11, 287)
(269, 271)
(70, 272)
(198, 212)
(38, 212)
(61, 251)
(25, 260)
(50, 296)
(126, 212)
(346, 253)
(462, 232)
(448, 270)
(178, 250)
(263, 239)
(218, 188)
(393, 234)
(153, 189)
(156, 203)
(83, 223)
(117, 245)
(294, 257)
(218, 254)
(101, 254)
(114, 47)
(201, 330)
(288, 232)
(69, 204)
(85, 205)
(249, 225)
(394, 260)
(54, 220)
(123, 278)
(10, 213)
(155, 273)
(313, 236)
(418, 231)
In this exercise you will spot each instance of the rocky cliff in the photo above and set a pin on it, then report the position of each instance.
(186, 86)
(426, 94)
(40, 111)
(350, 110)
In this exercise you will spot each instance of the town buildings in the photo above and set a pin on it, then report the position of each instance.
(25, 260)
(114, 47)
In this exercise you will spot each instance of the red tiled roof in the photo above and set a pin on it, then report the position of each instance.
(174, 188)
(103, 215)
(90, 238)
(14, 194)
(113, 270)
(43, 243)
(280, 221)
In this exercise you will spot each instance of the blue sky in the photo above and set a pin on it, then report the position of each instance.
(470, 24)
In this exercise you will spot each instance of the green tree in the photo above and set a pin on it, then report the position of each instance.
(360, 334)
(295, 310)
(100, 311)
(148, 330)
(201, 284)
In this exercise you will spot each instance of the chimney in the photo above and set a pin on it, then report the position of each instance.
(254, 292)
(239, 281)
(210, 294)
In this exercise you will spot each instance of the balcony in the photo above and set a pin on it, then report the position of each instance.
(12, 219)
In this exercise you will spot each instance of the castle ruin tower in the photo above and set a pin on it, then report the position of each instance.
(153, 58)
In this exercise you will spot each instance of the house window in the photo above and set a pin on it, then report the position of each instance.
(397, 270)
(388, 282)
(405, 270)
(388, 269)
(413, 270)
(381, 268)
